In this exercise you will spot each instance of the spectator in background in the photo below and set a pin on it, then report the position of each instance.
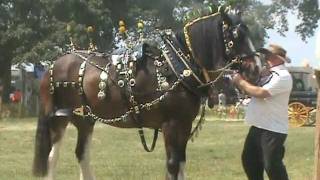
(16, 96)
(222, 110)
(39, 70)
(222, 99)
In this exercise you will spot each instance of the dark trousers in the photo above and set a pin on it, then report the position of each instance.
(264, 150)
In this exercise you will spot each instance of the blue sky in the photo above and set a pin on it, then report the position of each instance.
(298, 50)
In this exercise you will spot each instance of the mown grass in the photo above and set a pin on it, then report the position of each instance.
(118, 155)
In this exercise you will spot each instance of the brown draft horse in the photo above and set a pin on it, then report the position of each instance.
(208, 45)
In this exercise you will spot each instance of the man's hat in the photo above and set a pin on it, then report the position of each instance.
(276, 50)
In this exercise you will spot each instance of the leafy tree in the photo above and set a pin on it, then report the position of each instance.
(17, 21)
(274, 15)
(35, 30)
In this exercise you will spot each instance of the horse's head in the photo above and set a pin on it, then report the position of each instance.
(243, 53)
(220, 42)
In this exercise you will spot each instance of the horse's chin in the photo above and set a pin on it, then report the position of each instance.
(252, 76)
(212, 97)
(253, 79)
(210, 103)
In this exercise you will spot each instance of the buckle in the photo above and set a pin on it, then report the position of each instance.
(81, 111)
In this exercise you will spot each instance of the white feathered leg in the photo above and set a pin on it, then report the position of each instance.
(85, 170)
(181, 171)
(53, 158)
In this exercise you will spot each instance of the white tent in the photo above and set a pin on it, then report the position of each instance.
(28, 67)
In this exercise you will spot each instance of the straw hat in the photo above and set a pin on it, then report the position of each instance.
(278, 51)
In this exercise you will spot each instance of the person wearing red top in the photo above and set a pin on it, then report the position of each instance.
(16, 96)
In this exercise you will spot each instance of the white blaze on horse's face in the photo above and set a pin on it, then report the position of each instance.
(257, 60)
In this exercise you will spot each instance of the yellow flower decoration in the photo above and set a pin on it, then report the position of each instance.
(121, 23)
(140, 25)
(90, 29)
(122, 29)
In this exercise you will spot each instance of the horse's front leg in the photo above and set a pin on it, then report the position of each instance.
(176, 134)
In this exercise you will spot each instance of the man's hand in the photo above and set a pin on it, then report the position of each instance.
(248, 88)
(237, 79)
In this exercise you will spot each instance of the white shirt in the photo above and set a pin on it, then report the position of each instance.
(272, 113)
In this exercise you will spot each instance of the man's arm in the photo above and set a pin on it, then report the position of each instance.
(250, 89)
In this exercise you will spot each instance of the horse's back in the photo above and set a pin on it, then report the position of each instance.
(66, 68)
(67, 77)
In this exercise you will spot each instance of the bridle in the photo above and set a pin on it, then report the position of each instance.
(229, 33)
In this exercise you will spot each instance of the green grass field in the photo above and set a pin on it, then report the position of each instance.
(117, 154)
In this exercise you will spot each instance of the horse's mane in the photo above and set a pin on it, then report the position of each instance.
(206, 40)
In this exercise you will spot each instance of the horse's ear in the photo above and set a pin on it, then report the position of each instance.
(221, 9)
(238, 12)
(227, 9)
(224, 14)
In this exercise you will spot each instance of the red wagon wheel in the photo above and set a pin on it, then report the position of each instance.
(298, 114)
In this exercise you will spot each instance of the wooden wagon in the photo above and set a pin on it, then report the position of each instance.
(303, 98)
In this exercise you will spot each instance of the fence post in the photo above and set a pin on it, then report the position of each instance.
(317, 131)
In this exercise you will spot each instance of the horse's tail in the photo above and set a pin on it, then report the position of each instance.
(43, 142)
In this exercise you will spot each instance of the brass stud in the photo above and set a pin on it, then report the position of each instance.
(230, 44)
(225, 26)
(120, 83)
(132, 82)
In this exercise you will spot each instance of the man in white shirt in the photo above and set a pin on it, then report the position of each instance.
(267, 113)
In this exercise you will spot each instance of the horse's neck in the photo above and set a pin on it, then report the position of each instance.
(207, 43)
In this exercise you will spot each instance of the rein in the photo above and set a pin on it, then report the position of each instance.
(198, 127)
(221, 72)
